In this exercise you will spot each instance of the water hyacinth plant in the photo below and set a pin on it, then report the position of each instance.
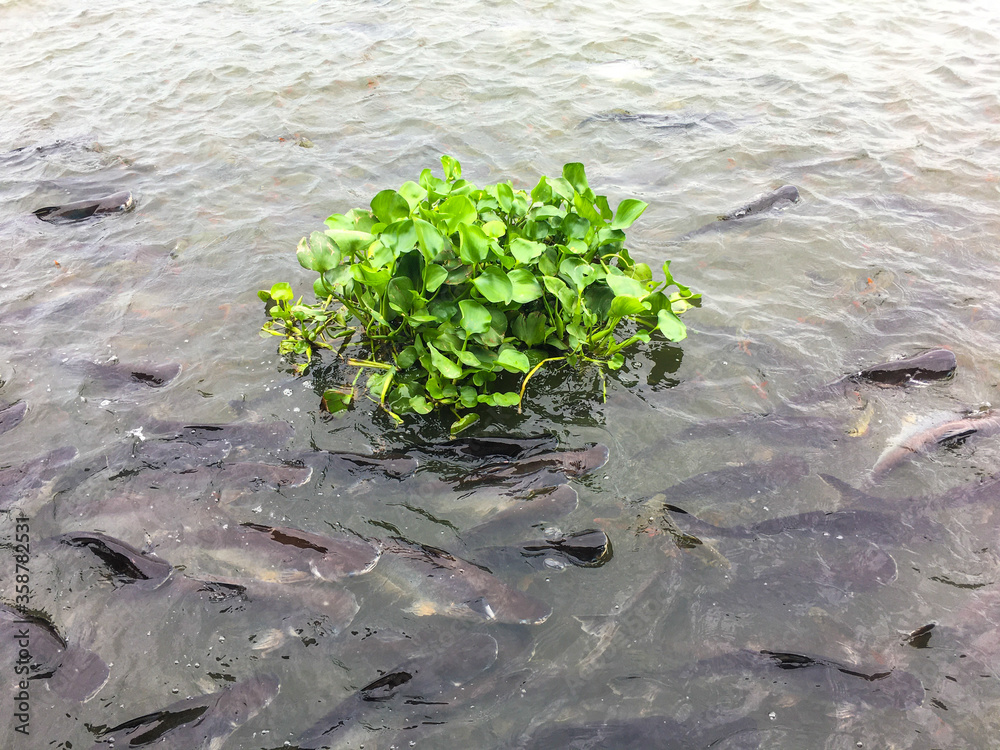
(459, 294)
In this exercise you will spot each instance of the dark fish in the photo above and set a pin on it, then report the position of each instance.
(786, 194)
(739, 482)
(948, 432)
(795, 429)
(71, 672)
(544, 504)
(81, 210)
(202, 723)
(935, 364)
(539, 470)
(783, 196)
(480, 448)
(443, 584)
(393, 466)
(119, 374)
(11, 416)
(124, 561)
(800, 673)
(840, 524)
(680, 121)
(645, 733)
(260, 435)
(583, 549)
(19, 482)
(418, 690)
(276, 554)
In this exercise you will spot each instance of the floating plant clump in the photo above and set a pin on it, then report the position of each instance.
(458, 294)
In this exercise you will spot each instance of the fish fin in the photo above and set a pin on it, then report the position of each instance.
(847, 492)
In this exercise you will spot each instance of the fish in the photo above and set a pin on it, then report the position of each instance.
(793, 429)
(70, 671)
(444, 584)
(275, 554)
(339, 464)
(85, 209)
(122, 374)
(416, 691)
(879, 687)
(583, 549)
(934, 364)
(659, 121)
(545, 504)
(18, 483)
(739, 482)
(916, 369)
(201, 723)
(950, 431)
(645, 733)
(539, 470)
(125, 562)
(11, 416)
(242, 435)
(784, 196)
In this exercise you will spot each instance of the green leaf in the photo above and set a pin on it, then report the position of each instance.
(351, 243)
(444, 365)
(581, 272)
(628, 211)
(530, 328)
(400, 294)
(452, 169)
(318, 253)
(431, 240)
(576, 176)
(525, 287)
(525, 250)
(337, 400)
(406, 358)
(624, 305)
(494, 229)
(434, 276)
(575, 226)
(463, 423)
(475, 243)
(542, 192)
(513, 360)
(562, 292)
(670, 325)
(457, 209)
(623, 285)
(400, 237)
(420, 405)
(505, 196)
(282, 292)
(494, 285)
(467, 396)
(389, 206)
(469, 359)
(475, 317)
(412, 193)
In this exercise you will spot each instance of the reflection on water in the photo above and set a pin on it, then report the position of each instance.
(732, 610)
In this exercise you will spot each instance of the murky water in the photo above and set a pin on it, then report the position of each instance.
(240, 126)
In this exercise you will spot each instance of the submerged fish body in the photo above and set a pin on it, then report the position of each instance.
(18, 483)
(645, 733)
(81, 210)
(582, 549)
(71, 672)
(784, 196)
(274, 554)
(541, 470)
(137, 374)
(948, 431)
(540, 506)
(880, 687)
(125, 562)
(934, 364)
(418, 690)
(11, 416)
(443, 584)
(739, 482)
(202, 723)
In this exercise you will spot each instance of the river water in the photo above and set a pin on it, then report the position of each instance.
(239, 126)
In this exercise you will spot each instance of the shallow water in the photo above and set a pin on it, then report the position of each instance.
(240, 126)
